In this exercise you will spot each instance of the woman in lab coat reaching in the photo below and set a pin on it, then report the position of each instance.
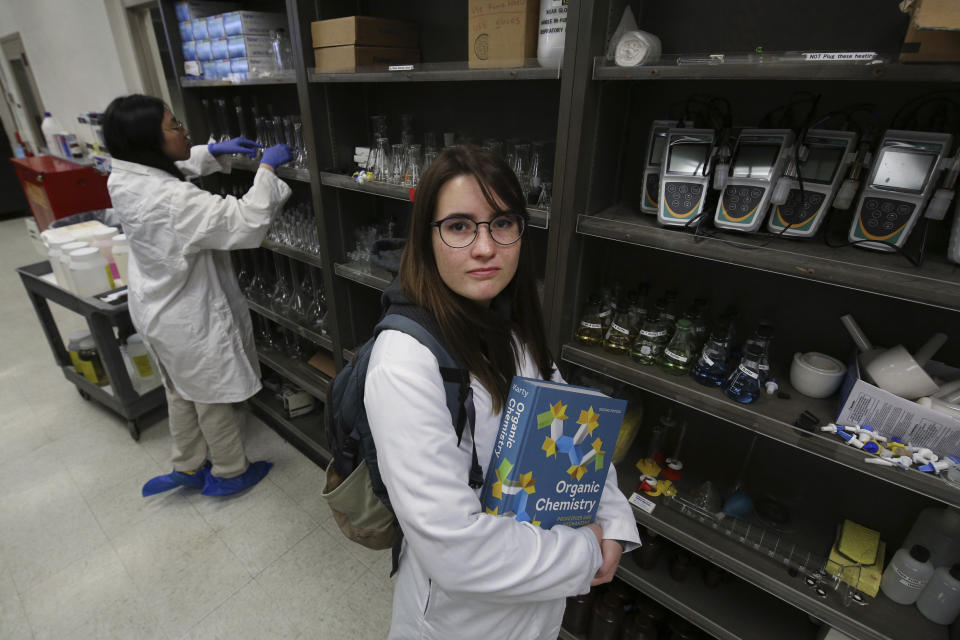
(464, 573)
(183, 293)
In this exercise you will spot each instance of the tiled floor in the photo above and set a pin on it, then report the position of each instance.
(82, 555)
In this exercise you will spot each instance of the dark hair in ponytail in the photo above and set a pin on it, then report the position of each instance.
(133, 131)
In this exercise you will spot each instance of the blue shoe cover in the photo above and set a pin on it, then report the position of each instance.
(176, 479)
(256, 472)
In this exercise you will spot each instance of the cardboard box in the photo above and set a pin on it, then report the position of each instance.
(502, 33)
(249, 47)
(893, 416)
(186, 30)
(934, 32)
(352, 57)
(190, 9)
(365, 31)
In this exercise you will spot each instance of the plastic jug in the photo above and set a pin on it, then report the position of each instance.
(65, 262)
(940, 600)
(937, 529)
(89, 272)
(143, 372)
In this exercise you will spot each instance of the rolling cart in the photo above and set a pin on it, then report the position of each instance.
(101, 317)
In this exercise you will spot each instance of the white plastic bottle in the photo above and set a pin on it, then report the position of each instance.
(907, 574)
(940, 600)
(51, 129)
(121, 256)
(54, 243)
(103, 241)
(65, 251)
(937, 529)
(89, 272)
(553, 32)
(144, 371)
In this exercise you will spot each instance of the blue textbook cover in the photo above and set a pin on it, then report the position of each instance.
(552, 453)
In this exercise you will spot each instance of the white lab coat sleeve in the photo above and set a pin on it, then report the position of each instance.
(203, 220)
(614, 513)
(462, 549)
(202, 162)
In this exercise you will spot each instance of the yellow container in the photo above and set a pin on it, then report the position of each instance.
(85, 358)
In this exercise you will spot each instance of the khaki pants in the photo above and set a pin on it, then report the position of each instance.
(202, 431)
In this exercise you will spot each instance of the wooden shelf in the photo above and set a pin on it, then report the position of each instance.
(880, 619)
(936, 283)
(769, 416)
(885, 72)
(438, 72)
(317, 338)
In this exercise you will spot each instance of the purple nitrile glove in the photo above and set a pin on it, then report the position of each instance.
(234, 145)
(277, 155)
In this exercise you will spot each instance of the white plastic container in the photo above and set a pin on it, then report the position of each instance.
(553, 33)
(937, 529)
(940, 600)
(65, 262)
(121, 256)
(51, 128)
(54, 244)
(89, 272)
(103, 240)
(907, 574)
(143, 372)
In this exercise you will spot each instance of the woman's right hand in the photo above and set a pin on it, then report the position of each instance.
(276, 155)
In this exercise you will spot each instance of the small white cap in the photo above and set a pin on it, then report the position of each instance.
(104, 232)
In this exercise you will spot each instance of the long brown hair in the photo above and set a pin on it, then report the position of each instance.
(481, 338)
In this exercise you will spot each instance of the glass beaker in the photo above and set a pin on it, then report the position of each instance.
(428, 158)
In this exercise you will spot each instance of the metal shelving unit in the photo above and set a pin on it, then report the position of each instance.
(187, 82)
(300, 373)
(936, 283)
(296, 254)
(365, 274)
(284, 171)
(306, 432)
(770, 417)
(717, 610)
(880, 619)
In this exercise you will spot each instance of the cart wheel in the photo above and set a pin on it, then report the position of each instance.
(84, 394)
(134, 429)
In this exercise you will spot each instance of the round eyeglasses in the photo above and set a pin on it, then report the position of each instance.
(460, 231)
(177, 126)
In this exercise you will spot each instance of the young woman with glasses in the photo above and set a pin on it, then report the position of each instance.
(183, 293)
(464, 573)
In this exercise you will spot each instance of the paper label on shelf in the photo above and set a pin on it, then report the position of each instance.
(400, 67)
(839, 55)
(642, 502)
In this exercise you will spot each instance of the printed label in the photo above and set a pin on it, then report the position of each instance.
(604, 314)
(763, 367)
(908, 581)
(746, 371)
(645, 350)
(653, 334)
(590, 325)
(642, 502)
(142, 363)
(707, 360)
(675, 356)
(617, 327)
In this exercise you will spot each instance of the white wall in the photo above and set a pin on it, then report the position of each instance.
(73, 54)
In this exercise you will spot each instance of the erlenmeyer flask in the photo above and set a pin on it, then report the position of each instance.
(397, 163)
(299, 299)
(318, 310)
(411, 175)
(260, 288)
(282, 291)
(381, 171)
(223, 120)
(300, 148)
(543, 202)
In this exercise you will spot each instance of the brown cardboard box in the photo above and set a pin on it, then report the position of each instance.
(350, 57)
(365, 30)
(502, 33)
(934, 32)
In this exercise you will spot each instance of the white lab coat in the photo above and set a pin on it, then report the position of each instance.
(183, 293)
(463, 573)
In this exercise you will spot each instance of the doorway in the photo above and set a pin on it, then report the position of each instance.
(31, 105)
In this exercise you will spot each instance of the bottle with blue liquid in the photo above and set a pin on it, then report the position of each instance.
(743, 384)
(711, 368)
